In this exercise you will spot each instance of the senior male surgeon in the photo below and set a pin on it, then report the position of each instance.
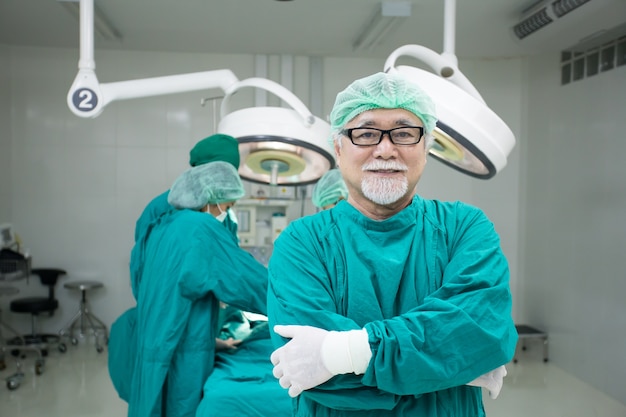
(182, 266)
(329, 190)
(391, 304)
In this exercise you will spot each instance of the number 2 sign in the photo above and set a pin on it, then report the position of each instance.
(84, 99)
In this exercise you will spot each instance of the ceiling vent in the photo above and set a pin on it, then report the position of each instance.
(558, 24)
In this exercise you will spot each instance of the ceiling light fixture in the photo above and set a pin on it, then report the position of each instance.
(389, 15)
(469, 136)
(101, 24)
(278, 145)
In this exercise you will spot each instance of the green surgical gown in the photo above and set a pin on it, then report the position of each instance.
(155, 209)
(431, 287)
(184, 265)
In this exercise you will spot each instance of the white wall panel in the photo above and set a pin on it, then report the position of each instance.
(575, 234)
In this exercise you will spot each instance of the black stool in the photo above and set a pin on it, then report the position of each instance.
(14, 381)
(36, 305)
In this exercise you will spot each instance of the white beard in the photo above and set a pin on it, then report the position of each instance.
(384, 191)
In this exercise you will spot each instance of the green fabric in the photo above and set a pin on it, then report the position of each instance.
(122, 352)
(189, 262)
(242, 384)
(156, 208)
(382, 91)
(212, 183)
(431, 287)
(329, 189)
(218, 147)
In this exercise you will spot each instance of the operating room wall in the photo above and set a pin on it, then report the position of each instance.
(5, 138)
(574, 202)
(78, 185)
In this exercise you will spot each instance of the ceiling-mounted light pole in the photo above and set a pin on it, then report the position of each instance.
(469, 136)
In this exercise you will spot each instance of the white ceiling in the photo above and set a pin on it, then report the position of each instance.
(299, 27)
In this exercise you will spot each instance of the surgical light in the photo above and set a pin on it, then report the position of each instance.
(278, 146)
(286, 146)
(469, 136)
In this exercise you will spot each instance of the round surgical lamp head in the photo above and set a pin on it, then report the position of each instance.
(469, 136)
(278, 146)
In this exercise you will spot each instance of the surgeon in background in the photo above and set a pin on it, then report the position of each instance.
(329, 190)
(389, 304)
(182, 266)
(217, 147)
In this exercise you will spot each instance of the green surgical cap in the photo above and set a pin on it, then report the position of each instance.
(329, 189)
(212, 183)
(382, 91)
(216, 147)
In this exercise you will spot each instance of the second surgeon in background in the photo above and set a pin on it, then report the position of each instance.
(184, 264)
(329, 190)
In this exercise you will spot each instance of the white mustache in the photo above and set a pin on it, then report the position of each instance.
(384, 165)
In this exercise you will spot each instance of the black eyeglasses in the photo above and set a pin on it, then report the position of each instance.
(370, 136)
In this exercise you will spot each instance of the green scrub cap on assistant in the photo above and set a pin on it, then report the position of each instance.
(382, 91)
(216, 147)
(329, 189)
(212, 183)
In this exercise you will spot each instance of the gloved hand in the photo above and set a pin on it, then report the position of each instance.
(492, 381)
(313, 356)
(298, 365)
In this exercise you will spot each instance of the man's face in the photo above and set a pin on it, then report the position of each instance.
(385, 174)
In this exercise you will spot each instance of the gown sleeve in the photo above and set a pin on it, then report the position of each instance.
(232, 274)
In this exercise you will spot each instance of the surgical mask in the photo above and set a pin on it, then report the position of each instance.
(230, 222)
(222, 216)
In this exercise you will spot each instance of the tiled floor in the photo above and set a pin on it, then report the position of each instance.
(76, 384)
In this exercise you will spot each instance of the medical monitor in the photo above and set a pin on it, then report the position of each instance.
(7, 236)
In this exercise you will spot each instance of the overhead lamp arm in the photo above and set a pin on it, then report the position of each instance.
(441, 65)
(444, 64)
(278, 90)
(87, 97)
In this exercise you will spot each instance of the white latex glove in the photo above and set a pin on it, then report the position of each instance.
(492, 381)
(298, 365)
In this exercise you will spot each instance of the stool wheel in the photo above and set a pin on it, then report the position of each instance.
(40, 366)
(12, 384)
(62, 348)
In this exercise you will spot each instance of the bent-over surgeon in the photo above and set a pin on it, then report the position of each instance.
(182, 266)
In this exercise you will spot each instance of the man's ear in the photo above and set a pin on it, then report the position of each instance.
(337, 152)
